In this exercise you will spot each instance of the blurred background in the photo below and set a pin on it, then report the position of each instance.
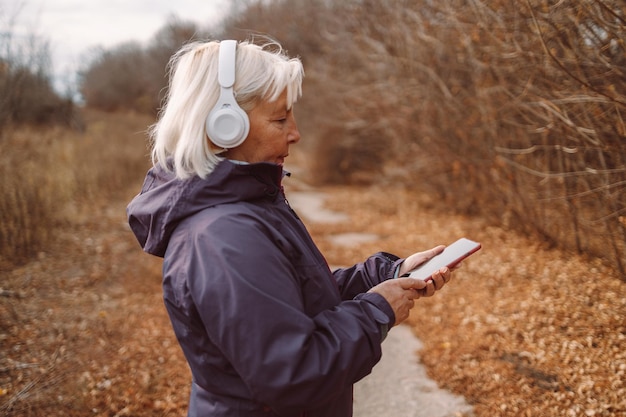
(510, 110)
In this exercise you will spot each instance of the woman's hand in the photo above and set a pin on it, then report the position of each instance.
(439, 278)
(400, 294)
(419, 258)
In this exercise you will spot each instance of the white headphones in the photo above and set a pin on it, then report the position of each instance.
(227, 125)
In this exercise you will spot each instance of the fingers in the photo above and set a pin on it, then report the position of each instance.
(411, 283)
(401, 293)
(440, 278)
(417, 288)
(430, 289)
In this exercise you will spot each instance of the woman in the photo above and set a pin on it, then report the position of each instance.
(267, 328)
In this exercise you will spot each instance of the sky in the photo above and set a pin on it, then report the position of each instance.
(73, 27)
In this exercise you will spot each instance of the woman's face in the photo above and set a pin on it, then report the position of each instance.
(272, 129)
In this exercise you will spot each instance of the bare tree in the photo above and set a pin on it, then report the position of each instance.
(26, 89)
(130, 76)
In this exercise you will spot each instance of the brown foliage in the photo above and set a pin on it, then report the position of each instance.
(521, 330)
(48, 173)
(509, 110)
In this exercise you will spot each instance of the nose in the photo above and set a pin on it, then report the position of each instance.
(294, 134)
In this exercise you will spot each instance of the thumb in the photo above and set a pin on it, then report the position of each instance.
(411, 283)
(419, 258)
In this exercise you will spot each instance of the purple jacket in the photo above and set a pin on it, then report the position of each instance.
(267, 328)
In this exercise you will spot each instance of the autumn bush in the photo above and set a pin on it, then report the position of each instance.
(510, 110)
(31, 192)
(51, 176)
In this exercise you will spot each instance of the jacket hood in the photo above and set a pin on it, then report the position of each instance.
(164, 200)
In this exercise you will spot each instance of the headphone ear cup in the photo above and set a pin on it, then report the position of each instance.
(227, 125)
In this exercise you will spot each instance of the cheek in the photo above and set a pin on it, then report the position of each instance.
(270, 139)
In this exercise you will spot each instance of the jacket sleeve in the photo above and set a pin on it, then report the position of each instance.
(249, 298)
(363, 276)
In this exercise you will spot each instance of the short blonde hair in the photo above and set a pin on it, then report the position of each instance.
(179, 140)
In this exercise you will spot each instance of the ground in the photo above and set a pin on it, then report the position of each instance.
(522, 330)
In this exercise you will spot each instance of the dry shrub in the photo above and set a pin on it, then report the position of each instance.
(35, 186)
(51, 176)
(112, 152)
(514, 111)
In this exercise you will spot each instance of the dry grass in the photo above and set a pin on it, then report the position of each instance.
(83, 317)
(34, 188)
(49, 174)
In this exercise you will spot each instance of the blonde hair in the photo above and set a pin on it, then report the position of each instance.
(179, 140)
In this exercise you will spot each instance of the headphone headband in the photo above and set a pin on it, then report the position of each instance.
(226, 65)
(227, 125)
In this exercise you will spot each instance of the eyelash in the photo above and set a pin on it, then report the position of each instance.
(283, 119)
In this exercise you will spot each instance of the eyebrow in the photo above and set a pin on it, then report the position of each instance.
(280, 111)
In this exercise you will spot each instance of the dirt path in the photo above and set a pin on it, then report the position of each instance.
(400, 386)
